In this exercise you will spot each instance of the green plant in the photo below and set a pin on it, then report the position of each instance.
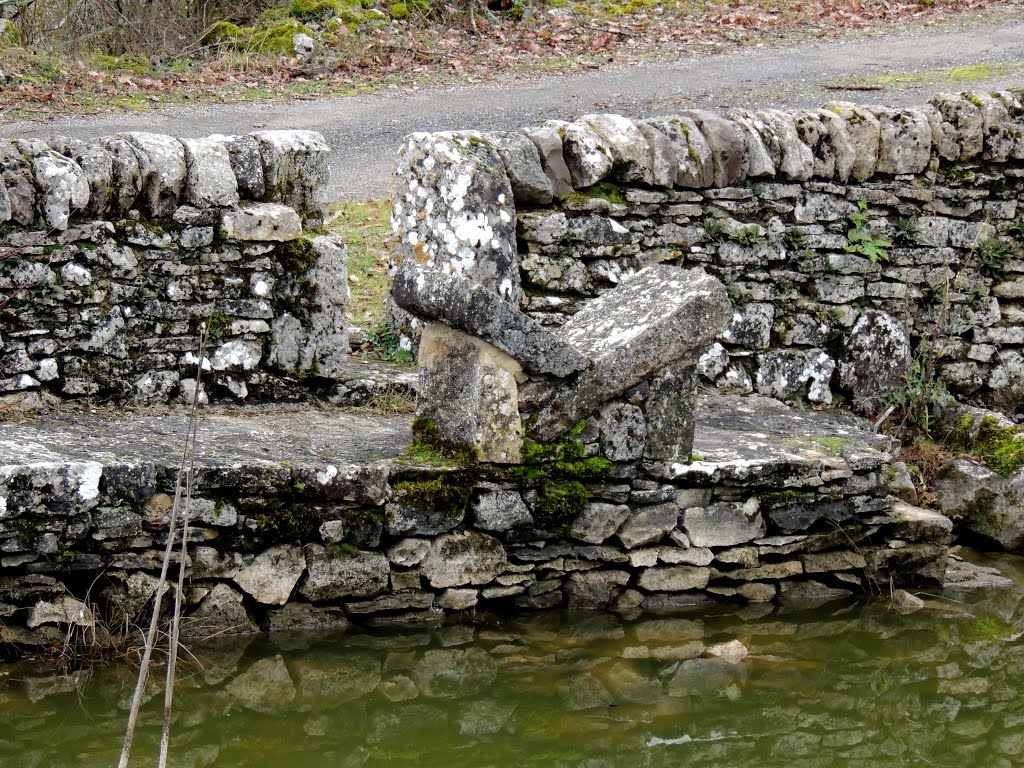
(906, 230)
(993, 253)
(921, 395)
(387, 346)
(860, 240)
(714, 230)
(748, 236)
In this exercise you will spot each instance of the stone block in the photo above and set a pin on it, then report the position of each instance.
(454, 210)
(661, 315)
(209, 179)
(296, 170)
(161, 168)
(523, 165)
(864, 132)
(476, 310)
(468, 557)
(695, 165)
(724, 524)
(669, 413)
(469, 390)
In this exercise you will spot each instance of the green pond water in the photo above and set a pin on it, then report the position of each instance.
(844, 684)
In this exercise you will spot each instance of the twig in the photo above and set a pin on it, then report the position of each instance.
(140, 685)
(172, 655)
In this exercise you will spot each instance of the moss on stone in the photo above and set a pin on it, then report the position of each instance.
(296, 256)
(558, 503)
(603, 190)
(1000, 448)
(447, 492)
(429, 447)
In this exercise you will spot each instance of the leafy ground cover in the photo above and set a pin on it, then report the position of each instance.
(78, 56)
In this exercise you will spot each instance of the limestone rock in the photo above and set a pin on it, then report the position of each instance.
(791, 156)
(462, 558)
(474, 309)
(328, 576)
(500, 511)
(455, 211)
(661, 315)
(162, 170)
(221, 612)
(680, 578)
(61, 186)
(95, 163)
(757, 160)
(751, 327)
(695, 163)
(246, 165)
(61, 610)
(912, 523)
(864, 132)
(261, 222)
(125, 174)
(809, 594)
(623, 432)
(523, 165)
(469, 389)
(404, 520)
(781, 374)
(878, 355)
(724, 524)
(726, 143)
(588, 156)
(631, 154)
(296, 616)
(272, 575)
(663, 162)
(409, 552)
(905, 140)
(598, 521)
(594, 589)
(209, 179)
(319, 343)
(549, 146)
(295, 170)
(648, 525)
(19, 186)
(669, 413)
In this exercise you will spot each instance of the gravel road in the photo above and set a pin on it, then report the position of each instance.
(364, 131)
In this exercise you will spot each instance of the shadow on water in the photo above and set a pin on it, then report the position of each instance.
(844, 684)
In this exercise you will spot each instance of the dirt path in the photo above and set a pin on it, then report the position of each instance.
(365, 130)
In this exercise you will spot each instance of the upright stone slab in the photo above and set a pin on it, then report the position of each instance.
(469, 389)
(454, 210)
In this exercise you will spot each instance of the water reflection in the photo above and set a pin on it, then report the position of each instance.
(847, 684)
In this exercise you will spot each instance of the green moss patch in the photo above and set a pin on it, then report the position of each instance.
(446, 492)
(1000, 448)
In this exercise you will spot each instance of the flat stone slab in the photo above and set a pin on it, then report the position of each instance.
(225, 437)
(757, 440)
(737, 437)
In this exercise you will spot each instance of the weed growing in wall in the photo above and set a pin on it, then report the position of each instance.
(860, 240)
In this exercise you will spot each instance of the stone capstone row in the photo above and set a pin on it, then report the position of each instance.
(851, 238)
(49, 182)
(145, 240)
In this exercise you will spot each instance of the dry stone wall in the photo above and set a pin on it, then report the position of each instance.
(856, 241)
(115, 253)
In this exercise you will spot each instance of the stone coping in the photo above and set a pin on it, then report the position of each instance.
(735, 437)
